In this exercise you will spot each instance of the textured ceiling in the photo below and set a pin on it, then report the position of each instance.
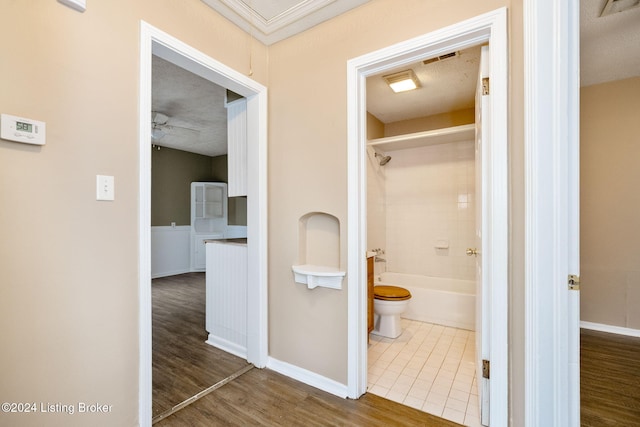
(609, 45)
(610, 50)
(197, 118)
(446, 86)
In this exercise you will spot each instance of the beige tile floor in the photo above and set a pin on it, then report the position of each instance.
(429, 367)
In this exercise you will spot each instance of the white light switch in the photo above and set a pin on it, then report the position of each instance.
(105, 189)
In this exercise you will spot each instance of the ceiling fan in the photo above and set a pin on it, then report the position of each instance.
(160, 127)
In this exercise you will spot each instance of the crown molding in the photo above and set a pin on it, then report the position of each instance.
(288, 22)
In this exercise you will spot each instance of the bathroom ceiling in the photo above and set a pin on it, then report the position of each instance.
(610, 50)
(446, 85)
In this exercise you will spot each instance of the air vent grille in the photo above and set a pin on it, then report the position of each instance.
(441, 58)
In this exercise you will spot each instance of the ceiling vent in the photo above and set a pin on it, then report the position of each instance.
(615, 6)
(443, 57)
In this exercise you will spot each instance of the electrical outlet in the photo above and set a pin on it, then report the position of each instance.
(105, 187)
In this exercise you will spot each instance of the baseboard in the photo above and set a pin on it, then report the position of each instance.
(610, 328)
(170, 273)
(308, 377)
(228, 346)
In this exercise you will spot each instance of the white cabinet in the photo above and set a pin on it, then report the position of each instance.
(237, 147)
(208, 218)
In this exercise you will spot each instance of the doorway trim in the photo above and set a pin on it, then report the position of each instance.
(552, 213)
(156, 42)
(490, 27)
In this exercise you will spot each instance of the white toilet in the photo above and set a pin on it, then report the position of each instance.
(388, 304)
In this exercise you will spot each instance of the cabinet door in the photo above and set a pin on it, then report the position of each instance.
(237, 147)
(213, 201)
(198, 201)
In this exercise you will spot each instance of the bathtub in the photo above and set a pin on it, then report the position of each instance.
(448, 302)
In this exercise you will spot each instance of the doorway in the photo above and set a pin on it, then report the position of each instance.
(489, 28)
(162, 45)
(424, 208)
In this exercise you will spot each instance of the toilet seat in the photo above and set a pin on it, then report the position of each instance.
(391, 293)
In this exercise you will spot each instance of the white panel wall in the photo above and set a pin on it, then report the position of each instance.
(430, 198)
(170, 250)
(226, 317)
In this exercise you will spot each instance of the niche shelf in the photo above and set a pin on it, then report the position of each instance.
(422, 139)
(318, 275)
(318, 251)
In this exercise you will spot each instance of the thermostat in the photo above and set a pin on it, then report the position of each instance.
(19, 129)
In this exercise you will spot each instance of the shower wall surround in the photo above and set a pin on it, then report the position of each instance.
(420, 202)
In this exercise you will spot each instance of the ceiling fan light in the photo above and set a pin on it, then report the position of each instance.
(402, 81)
(157, 134)
(160, 119)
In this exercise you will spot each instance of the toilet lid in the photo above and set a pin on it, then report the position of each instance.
(391, 293)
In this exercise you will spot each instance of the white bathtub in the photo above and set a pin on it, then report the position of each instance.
(448, 302)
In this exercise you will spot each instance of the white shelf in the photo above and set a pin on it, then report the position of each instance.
(422, 139)
(318, 275)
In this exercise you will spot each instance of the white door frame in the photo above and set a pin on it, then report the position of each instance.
(154, 41)
(490, 27)
(552, 227)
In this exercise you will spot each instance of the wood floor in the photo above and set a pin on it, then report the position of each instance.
(184, 365)
(609, 379)
(264, 398)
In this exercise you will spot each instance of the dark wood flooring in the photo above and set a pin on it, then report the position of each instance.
(265, 398)
(183, 364)
(609, 379)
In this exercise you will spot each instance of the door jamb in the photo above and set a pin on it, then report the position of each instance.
(157, 42)
(490, 27)
(552, 226)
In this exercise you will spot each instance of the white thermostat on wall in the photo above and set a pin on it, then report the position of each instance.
(19, 129)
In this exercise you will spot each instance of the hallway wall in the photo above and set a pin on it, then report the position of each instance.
(610, 203)
(69, 293)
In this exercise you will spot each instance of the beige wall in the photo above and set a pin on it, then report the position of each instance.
(610, 203)
(69, 269)
(69, 264)
(375, 128)
(308, 123)
(437, 121)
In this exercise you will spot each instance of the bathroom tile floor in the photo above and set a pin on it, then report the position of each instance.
(429, 367)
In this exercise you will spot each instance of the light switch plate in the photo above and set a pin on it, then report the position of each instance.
(80, 5)
(105, 189)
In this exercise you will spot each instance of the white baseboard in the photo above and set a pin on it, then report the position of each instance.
(610, 328)
(308, 377)
(170, 273)
(228, 346)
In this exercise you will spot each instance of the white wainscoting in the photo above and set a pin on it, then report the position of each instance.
(170, 250)
(226, 313)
